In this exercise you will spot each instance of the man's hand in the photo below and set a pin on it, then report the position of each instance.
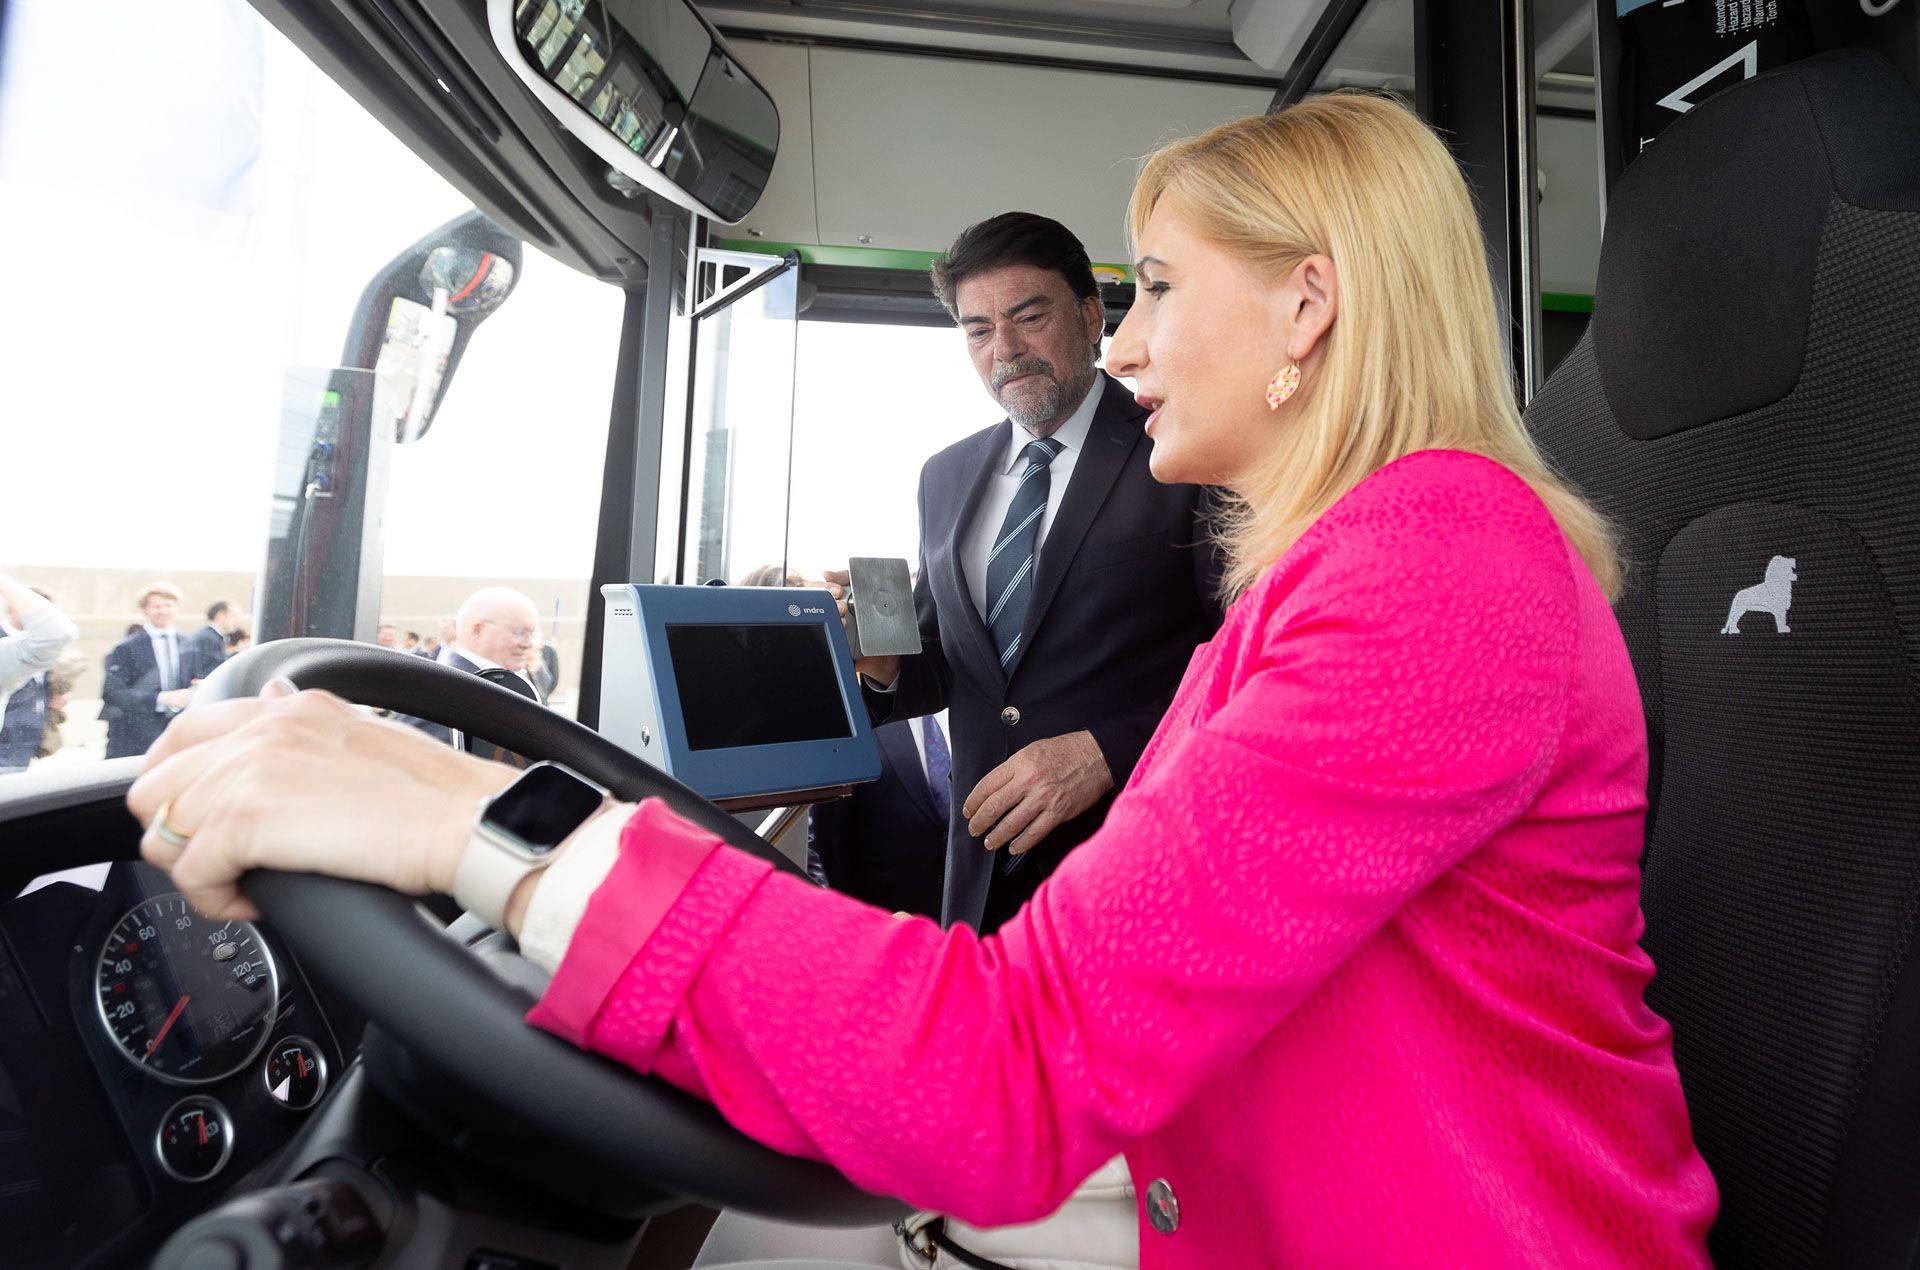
(882, 670)
(177, 699)
(1031, 794)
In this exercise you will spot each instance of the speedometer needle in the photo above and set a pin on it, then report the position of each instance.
(166, 1027)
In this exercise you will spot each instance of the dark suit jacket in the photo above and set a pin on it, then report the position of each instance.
(440, 731)
(1123, 592)
(883, 843)
(132, 682)
(23, 721)
(210, 646)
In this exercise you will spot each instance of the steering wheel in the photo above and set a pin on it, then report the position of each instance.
(441, 1004)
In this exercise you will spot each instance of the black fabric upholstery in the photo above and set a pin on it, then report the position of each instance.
(1783, 859)
(1700, 308)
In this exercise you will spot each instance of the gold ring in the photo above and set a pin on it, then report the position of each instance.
(167, 831)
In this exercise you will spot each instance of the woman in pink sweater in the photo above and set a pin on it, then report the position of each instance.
(1350, 976)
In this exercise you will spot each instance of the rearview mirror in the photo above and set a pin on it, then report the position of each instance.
(651, 89)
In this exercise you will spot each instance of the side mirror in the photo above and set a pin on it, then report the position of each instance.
(415, 317)
(651, 89)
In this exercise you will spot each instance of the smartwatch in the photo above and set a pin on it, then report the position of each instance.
(515, 833)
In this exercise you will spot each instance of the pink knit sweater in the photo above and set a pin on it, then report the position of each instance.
(1352, 966)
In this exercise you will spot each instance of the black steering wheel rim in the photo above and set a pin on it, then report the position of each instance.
(436, 999)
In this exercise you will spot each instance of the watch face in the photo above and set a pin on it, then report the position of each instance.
(545, 805)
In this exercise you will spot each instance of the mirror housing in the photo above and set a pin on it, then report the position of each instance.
(652, 90)
(416, 316)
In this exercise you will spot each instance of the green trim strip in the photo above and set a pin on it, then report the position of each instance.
(1565, 302)
(859, 257)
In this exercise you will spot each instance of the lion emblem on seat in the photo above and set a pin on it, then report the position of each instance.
(1772, 595)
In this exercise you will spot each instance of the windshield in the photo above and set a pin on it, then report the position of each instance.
(182, 303)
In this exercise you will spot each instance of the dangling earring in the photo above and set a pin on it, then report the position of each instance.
(1283, 385)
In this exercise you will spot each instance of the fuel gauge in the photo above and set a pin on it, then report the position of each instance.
(296, 1073)
(195, 1139)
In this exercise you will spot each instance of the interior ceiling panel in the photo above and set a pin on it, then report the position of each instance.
(1193, 39)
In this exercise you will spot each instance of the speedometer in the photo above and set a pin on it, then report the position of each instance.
(185, 998)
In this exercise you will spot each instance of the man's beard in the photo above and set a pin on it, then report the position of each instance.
(1044, 403)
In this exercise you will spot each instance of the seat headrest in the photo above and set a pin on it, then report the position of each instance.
(1713, 237)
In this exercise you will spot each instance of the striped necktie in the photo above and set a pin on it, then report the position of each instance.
(1010, 566)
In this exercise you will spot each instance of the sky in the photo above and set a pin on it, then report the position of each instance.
(160, 289)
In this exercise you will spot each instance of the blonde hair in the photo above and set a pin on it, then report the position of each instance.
(165, 589)
(1413, 359)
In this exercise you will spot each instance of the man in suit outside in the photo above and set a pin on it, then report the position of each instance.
(443, 641)
(149, 675)
(209, 643)
(1062, 589)
(494, 632)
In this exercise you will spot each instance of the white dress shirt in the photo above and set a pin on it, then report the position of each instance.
(976, 543)
(167, 659)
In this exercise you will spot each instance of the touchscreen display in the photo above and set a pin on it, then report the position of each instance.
(756, 684)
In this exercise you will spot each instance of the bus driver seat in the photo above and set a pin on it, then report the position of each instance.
(1746, 406)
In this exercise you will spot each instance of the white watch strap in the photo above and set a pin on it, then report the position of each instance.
(559, 903)
(484, 879)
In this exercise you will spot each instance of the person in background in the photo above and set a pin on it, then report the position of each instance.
(239, 640)
(449, 635)
(33, 634)
(543, 666)
(886, 842)
(60, 681)
(149, 675)
(495, 630)
(387, 636)
(209, 643)
(410, 642)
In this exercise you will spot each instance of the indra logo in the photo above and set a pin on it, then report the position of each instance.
(793, 610)
(1773, 594)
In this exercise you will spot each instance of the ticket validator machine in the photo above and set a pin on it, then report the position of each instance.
(746, 694)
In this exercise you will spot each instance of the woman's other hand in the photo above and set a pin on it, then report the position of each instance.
(305, 782)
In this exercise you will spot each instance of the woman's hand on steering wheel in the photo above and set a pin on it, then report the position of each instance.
(304, 782)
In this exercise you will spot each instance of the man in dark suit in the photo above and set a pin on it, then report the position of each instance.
(1062, 589)
(495, 631)
(149, 675)
(886, 843)
(209, 643)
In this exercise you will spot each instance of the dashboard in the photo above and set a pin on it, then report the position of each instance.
(150, 1058)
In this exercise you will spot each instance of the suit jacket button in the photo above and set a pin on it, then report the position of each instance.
(1010, 715)
(1163, 1207)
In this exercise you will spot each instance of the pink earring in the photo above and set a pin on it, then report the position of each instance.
(1283, 385)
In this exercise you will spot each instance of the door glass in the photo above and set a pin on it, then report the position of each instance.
(740, 454)
(1567, 164)
(144, 398)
